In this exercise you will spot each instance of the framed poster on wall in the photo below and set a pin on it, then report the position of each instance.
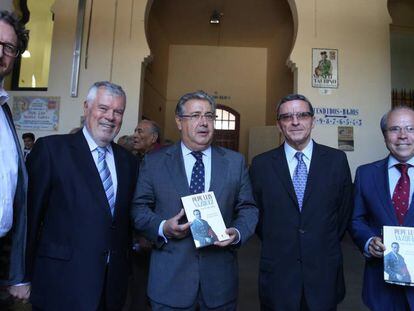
(325, 68)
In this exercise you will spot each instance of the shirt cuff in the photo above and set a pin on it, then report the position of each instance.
(161, 231)
(239, 239)
(22, 284)
(366, 250)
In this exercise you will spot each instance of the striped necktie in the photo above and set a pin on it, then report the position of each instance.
(106, 179)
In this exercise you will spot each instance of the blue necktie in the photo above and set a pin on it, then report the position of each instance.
(300, 176)
(197, 175)
(105, 175)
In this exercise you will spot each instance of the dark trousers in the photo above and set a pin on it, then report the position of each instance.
(198, 305)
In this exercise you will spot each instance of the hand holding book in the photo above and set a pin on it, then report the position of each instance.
(234, 237)
(173, 229)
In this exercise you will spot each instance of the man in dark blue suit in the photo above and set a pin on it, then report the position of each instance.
(181, 276)
(304, 194)
(13, 186)
(376, 185)
(80, 190)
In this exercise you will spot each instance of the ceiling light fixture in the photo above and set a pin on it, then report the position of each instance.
(26, 54)
(215, 17)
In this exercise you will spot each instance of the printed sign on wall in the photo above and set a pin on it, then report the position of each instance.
(36, 113)
(325, 68)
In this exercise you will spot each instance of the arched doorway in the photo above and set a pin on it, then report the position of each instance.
(227, 128)
(241, 59)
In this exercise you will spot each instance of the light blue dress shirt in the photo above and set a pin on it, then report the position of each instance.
(9, 165)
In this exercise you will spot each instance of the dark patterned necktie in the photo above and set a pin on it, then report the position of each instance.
(197, 175)
(300, 177)
(401, 195)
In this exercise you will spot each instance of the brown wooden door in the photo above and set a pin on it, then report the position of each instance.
(227, 127)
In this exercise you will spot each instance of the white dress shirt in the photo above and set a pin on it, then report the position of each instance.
(9, 164)
(110, 160)
(293, 161)
(190, 160)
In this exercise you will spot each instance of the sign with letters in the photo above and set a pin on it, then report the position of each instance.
(36, 113)
(325, 68)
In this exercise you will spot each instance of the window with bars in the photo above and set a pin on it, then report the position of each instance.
(225, 120)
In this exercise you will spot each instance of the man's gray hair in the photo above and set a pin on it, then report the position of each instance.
(291, 97)
(201, 95)
(384, 119)
(155, 128)
(111, 88)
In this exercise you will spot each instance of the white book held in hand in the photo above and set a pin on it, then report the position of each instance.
(207, 224)
(399, 255)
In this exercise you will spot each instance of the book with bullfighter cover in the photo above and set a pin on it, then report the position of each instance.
(399, 255)
(207, 224)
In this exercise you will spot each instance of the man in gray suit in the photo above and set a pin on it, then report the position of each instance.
(181, 276)
(13, 186)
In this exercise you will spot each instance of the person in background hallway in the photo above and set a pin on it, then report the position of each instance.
(304, 194)
(80, 191)
(28, 140)
(383, 196)
(147, 137)
(13, 186)
(181, 276)
(127, 142)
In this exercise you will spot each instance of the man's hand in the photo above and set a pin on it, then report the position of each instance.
(234, 237)
(376, 248)
(20, 292)
(174, 230)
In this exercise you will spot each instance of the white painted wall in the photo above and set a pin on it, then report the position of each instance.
(6, 5)
(360, 31)
(230, 71)
(117, 47)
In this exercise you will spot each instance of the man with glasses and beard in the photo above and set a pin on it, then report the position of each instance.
(13, 186)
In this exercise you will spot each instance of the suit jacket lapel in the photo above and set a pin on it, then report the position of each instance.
(281, 169)
(383, 190)
(176, 170)
(22, 166)
(121, 166)
(219, 170)
(316, 167)
(83, 158)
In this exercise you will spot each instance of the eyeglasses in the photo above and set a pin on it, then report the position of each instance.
(398, 129)
(197, 116)
(299, 115)
(9, 49)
